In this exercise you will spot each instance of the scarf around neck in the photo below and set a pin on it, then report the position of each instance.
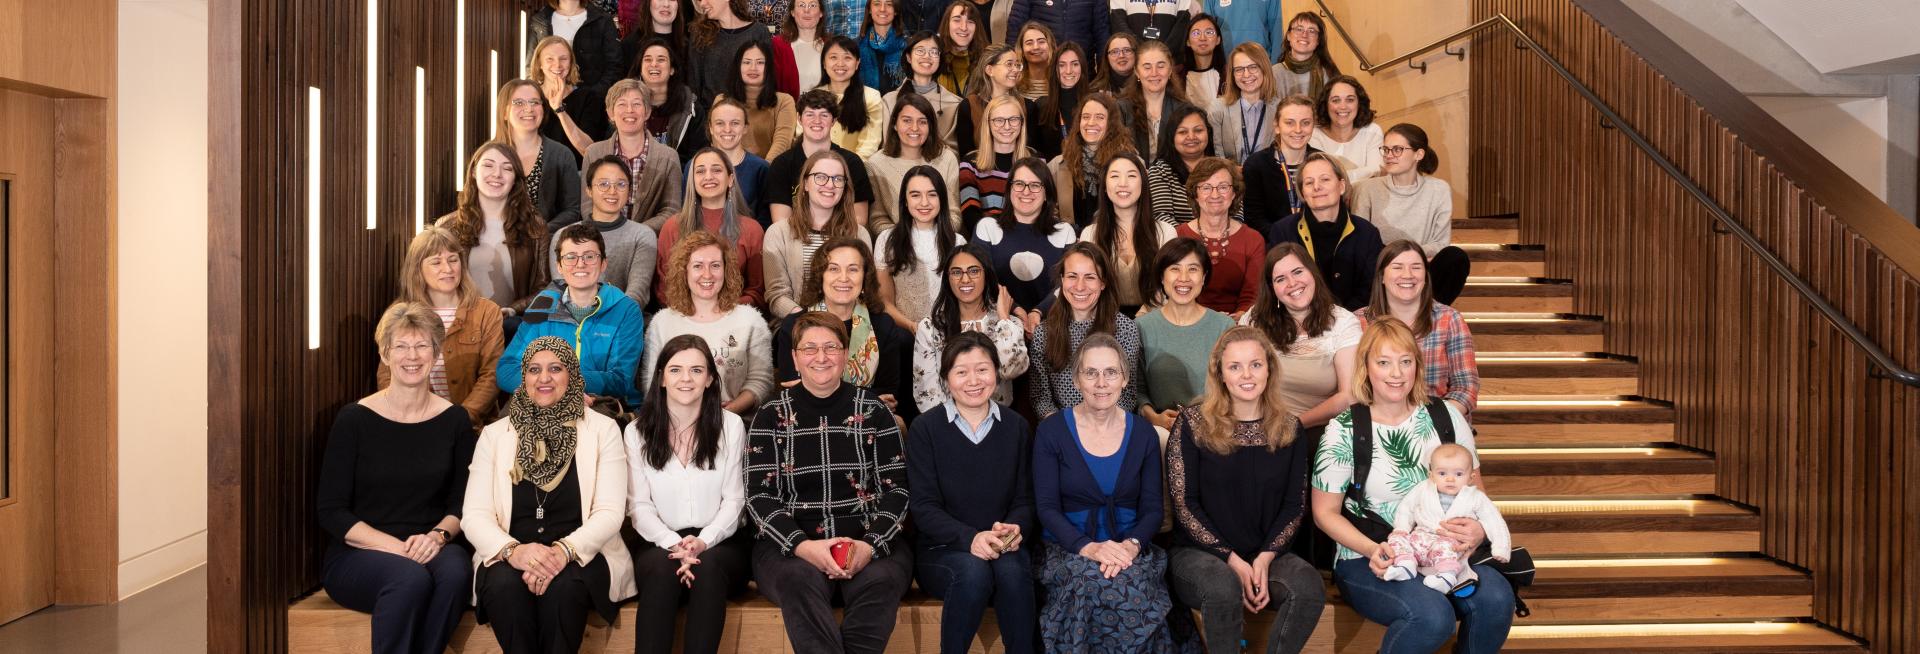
(1316, 74)
(863, 347)
(547, 435)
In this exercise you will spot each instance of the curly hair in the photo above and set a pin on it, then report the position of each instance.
(1361, 118)
(678, 294)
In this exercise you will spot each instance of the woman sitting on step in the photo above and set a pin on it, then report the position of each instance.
(1391, 406)
(546, 495)
(1403, 289)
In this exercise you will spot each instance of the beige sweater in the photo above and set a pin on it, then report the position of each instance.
(659, 193)
(784, 263)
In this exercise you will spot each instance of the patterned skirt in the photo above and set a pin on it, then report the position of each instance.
(1088, 613)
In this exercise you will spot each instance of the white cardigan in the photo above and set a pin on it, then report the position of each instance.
(601, 458)
(1420, 509)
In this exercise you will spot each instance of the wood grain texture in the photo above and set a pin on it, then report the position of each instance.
(28, 515)
(1797, 427)
(274, 400)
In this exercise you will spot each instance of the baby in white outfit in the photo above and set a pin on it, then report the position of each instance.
(1417, 548)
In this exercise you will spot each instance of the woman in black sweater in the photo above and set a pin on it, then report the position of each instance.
(391, 486)
(971, 508)
(1237, 483)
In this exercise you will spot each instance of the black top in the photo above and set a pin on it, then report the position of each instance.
(892, 375)
(1271, 188)
(543, 517)
(400, 478)
(961, 488)
(589, 113)
(824, 467)
(1246, 502)
(1346, 258)
(783, 176)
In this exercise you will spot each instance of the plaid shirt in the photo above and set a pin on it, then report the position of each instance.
(826, 467)
(844, 17)
(1447, 353)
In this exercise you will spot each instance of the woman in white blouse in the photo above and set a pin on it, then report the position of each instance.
(1344, 127)
(685, 494)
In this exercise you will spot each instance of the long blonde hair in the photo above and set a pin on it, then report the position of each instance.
(538, 75)
(1383, 331)
(431, 241)
(1216, 418)
(983, 131)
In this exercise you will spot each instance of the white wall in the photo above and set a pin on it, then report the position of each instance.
(1851, 132)
(162, 277)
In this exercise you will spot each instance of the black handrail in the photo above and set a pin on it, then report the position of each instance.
(1886, 366)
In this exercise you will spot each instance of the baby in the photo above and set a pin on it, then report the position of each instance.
(1445, 495)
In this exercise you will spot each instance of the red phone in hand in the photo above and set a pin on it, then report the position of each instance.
(842, 552)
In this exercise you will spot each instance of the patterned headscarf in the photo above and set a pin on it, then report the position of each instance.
(547, 434)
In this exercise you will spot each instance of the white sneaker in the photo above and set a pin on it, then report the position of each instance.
(1400, 572)
(1437, 583)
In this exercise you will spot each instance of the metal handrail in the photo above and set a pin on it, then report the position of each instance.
(1887, 367)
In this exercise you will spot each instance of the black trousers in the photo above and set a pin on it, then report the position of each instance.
(722, 571)
(554, 622)
(1448, 271)
(805, 597)
(415, 607)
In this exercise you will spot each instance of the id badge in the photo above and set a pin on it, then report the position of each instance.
(1151, 33)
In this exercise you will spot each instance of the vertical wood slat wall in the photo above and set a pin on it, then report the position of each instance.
(1757, 376)
(273, 399)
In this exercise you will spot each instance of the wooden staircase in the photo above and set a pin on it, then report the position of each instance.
(1634, 552)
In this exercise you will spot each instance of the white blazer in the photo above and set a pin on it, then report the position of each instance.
(602, 460)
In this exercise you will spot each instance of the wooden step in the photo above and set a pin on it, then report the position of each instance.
(1486, 231)
(1506, 260)
(1515, 294)
(1350, 634)
(1497, 332)
(1573, 528)
(1533, 421)
(1556, 374)
(1595, 472)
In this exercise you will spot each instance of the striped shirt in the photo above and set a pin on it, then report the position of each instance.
(437, 380)
(1447, 353)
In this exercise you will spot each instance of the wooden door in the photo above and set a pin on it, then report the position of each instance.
(26, 345)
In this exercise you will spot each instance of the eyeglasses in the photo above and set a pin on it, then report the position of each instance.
(830, 181)
(1007, 121)
(1100, 374)
(522, 104)
(398, 349)
(926, 52)
(1249, 68)
(966, 273)
(1394, 150)
(1213, 189)
(1205, 32)
(1028, 187)
(611, 184)
(1305, 31)
(1120, 51)
(1015, 64)
(830, 349)
(588, 259)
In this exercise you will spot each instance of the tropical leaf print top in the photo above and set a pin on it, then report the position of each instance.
(1400, 454)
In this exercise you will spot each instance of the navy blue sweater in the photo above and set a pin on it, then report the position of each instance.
(959, 488)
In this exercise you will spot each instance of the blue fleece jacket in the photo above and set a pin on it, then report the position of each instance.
(1250, 20)
(608, 341)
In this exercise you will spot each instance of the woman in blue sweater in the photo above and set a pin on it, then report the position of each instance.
(972, 508)
(1096, 484)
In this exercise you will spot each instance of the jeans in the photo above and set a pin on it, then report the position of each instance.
(1419, 619)
(966, 583)
(1200, 579)
(805, 597)
(415, 607)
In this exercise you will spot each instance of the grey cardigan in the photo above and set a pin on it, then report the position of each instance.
(559, 192)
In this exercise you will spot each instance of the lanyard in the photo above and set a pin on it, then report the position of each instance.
(1293, 198)
(1248, 136)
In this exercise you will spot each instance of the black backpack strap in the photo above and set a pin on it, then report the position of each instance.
(1442, 421)
(1362, 452)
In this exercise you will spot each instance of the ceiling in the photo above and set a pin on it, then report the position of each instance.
(1847, 37)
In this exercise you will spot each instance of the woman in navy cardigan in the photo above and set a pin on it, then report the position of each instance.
(1096, 480)
(972, 509)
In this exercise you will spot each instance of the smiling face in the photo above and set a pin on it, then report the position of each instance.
(1005, 71)
(1068, 68)
(821, 357)
(1005, 121)
(966, 276)
(1294, 127)
(685, 377)
(1215, 194)
(817, 123)
(1292, 283)
(923, 201)
(545, 378)
(1119, 56)
(581, 264)
(841, 64)
(972, 379)
(1036, 48)
(1080, 284)
(912, 127)
(1243, 367)
(493, 175)
(1203, 37)
(526, 109)
(1123, 183)
(881, 11)
(629, 113)
(1183, 280)
(960, 26)
(1100, 378)
(609, 189)
(826, 183)
(1405, 277)
(1028, 195)
(709, 175)
(663, 11)
(1154, 70)
(409, 357)
(1190, 138)
(1397, 156)
(924, 57)
(706, 272)
(1323, 186)
(1092, 123)
(442, 272)
(656, 66)
(1391, 372)
(555, 62)
(1246, 76)
(806, 14)
(753, 67)
(843, 278)
(726, 125)
(1343, 103)
(1302, 38)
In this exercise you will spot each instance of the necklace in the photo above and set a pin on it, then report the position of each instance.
(682, 442)
(540, 511)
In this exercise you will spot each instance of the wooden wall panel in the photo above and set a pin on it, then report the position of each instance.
(1783, 399)
(273, 399)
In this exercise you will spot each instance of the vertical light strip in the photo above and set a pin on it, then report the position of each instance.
(419, 148)
(493, 75)
(313, 218)
(459, 93)
(522, 61)
(373, 113)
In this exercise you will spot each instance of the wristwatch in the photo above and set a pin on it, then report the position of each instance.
(507, 552)
(445, 536)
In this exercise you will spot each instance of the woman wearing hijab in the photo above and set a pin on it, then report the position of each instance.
(546, 496)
